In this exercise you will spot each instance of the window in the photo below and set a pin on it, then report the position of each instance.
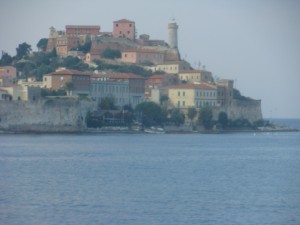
(183, 93)
(117, 25)
(130, 25)
(178, 93)
(128, 32)
(183, 103)
(178, 103)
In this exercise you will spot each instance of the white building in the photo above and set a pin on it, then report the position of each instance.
(118, 90)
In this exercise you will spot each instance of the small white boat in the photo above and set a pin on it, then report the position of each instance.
(154, 130)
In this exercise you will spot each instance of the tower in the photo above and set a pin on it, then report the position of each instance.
(172, 34)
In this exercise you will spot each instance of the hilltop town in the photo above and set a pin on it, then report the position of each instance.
(122, 78)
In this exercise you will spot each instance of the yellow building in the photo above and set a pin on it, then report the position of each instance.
(22, 93)
(192, 76)
(193, 95)
(172, 67)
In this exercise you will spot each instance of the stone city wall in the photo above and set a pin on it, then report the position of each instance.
(241, 109)
(52, 115)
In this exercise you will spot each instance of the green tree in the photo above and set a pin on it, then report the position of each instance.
(177, 117)
(151, 112)
(42, 70)
(205, 117)
(69, 87)
(75, 63)
(223, 119)
(192, 112)
(111, 53)
(23, 50)
(42, 44)
(92, 120)
(6, 60)
(84, 48)
(107, 103)
(163, 99)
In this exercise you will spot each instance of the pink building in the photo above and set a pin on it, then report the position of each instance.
(142, 55)
(124, 29)
(8, 72)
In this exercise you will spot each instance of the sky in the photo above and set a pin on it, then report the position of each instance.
(255, 43)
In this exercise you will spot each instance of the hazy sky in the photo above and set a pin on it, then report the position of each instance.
(256, 43)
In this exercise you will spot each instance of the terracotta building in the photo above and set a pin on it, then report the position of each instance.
(124, 29)
(75, 30)
(142, 55)
(58, 80)
(7, 75)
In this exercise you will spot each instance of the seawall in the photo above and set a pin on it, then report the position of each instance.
(241, 109)
(51, 115)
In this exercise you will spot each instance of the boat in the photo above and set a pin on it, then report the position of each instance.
(154, 130)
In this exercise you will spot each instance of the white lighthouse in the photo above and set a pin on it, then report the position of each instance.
(172, 34)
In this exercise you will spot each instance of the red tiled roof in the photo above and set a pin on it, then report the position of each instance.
(83, 26)
(123, 21)
(195, 86)
(142, 51)
(119, 76)
(193, 71)
(160, 76)
(70, 72)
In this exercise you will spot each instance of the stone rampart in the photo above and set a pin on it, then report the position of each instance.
(51, 115)
(241, 109)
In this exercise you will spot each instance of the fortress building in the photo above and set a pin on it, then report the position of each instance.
(124, 29)
(173, 35)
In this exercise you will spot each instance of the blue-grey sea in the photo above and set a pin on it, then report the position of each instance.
(143, 179)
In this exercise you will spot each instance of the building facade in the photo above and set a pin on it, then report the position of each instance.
(193, 95)
(194, 76)
(172, 67)
(136, 85)
(142, 55)
(22, 93)
(58, 80)
(124, 29)
(225, 92)
(117, 90)
(76, 30)
(8, 75)
(156, 86)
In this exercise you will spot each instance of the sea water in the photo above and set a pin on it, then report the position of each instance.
(169, 179)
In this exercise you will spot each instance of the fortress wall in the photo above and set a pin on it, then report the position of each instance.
(239, 109)
(52, 115)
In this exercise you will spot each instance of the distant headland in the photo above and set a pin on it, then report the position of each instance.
(83, 79)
